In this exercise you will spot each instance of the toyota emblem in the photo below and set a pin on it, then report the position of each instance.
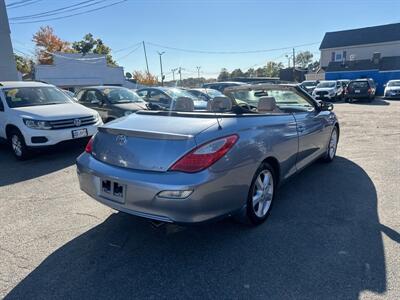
(121, 139)
(77, 122)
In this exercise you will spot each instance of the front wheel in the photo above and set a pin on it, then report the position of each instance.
(261, 195)
(17, 141)
(332, 146)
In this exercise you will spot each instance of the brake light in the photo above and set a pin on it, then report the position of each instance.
(369, 91)
(89, 146)
(205, 155)
(346, 90)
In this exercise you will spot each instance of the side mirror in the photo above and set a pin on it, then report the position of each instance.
(325, 106)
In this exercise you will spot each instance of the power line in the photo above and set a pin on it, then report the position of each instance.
(58, 11)
(129, 53)
(21, 4)
(230, 52)
(72, 15)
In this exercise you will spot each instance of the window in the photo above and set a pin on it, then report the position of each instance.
(80, 96)
(338, 57)
(34, 96)
(93, 97)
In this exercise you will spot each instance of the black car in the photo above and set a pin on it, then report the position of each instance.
(220, 86)
(110, 101)
(360, 89)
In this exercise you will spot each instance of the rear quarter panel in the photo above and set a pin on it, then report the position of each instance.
(260, 137)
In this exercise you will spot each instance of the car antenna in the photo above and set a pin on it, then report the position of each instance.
(219, 124)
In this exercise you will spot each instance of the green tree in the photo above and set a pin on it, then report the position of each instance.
(303, 59)
(237, 73)
(250, 72)
(272, 69)
(91, 45)
(223, 75)
(24, 65)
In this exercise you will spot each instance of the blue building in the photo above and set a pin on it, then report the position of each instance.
(371, 52)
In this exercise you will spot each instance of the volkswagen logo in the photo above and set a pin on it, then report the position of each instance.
(121, 139)
(77, 122)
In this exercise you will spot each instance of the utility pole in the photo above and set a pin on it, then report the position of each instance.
(173, 73)
(162, 75)
(180, 75)
(294, 65)
(145, 57)
(198, 74)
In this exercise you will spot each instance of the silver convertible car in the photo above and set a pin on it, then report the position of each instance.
(187, 166)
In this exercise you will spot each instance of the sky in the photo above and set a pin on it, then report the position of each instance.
(208, 26)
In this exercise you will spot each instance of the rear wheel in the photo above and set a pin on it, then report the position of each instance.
(332, 146)
(17, 141)
(261, 195)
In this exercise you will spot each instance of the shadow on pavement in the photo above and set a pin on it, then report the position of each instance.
(43, 162)
(322, 241)
(375, 102)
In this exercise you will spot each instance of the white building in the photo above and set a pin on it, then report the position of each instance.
(72, 70)
(8, 69)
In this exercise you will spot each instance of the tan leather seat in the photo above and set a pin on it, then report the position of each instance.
(219, 104)
(267, 104)
(184, 104)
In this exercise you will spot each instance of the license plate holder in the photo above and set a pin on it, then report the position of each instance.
(79, 133)
(112, 190)
(357, 91)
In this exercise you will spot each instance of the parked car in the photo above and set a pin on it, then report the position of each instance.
(392, 89)
(110, 101)
(69, 94)
(328, 90)
(221, 86)
(309, 85)
(344, 82)
(205, 94)
(360, 89)
(34, 114)
(186, 167)
(166, 97)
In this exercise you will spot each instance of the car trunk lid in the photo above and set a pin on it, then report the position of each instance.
(147, 142)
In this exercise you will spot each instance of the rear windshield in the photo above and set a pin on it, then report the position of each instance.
(326, 84)
(121, 95)
(34, 96)
(358, 84)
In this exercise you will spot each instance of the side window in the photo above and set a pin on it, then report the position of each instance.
(290, 100)
(142, 93)
(81, 96)
(1, 105)
(156, 96)
(93, 97)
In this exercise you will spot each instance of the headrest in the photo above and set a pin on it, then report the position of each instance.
(184, 104)
(219, 104)
(266, 103)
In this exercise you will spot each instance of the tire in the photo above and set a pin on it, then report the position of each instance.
(332, 146)
(263, 189)
(18, 145)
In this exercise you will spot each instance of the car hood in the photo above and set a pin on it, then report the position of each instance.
(54, 111)
(134, 106)
(148, 142)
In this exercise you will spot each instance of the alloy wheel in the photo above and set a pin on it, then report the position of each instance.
(263, 193)
(16, 145)
(333, 144)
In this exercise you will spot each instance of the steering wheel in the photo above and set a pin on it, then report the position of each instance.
(249, 107)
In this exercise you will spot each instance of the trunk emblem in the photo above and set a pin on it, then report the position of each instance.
(121, 139)
(77, 122)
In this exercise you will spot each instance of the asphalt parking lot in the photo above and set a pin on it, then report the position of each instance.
(334, 232)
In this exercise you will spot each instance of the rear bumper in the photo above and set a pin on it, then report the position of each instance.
(214, 195)
(358, 96)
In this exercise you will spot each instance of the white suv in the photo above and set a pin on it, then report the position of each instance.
(34, 114)
(329, 90)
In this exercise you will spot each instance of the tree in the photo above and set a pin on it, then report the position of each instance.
(91, 45)
(24, 65)
(145, 78)
(47, 42)
(250, 73)
(223, 75)
(237, 73)
(272, 69)
(304, 58)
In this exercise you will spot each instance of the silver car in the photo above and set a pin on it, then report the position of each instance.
(188, 166)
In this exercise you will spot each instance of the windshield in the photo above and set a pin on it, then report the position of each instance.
(394, 83)
(309, 83)
(34, 96)
(358, 84)
(121, 95)
(176, 93)
(326, 84)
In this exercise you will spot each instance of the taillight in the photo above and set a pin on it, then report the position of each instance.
(205, 155)
(369, 91)
(89, 146)
(346, 90)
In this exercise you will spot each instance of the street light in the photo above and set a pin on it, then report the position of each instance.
(162, 75)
